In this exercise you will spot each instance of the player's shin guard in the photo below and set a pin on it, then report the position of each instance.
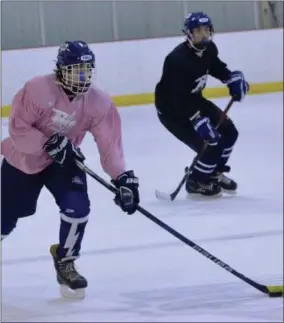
(70, 236)
(200, 181)
(75, 208)
(230, 137)
(225, 157)
(227, 184)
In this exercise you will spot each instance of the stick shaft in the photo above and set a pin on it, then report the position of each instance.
(178, 235)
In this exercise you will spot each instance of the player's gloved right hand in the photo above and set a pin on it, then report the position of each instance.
(205, 130)
(127, 196)
(238, 86)
(62, 151)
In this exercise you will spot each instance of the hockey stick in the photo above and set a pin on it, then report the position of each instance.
(272, 291)
(171, 197)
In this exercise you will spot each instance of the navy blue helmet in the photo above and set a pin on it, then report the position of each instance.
(75, 63)
(193, 24)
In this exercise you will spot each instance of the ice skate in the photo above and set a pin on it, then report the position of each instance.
(72, 284)
(208, 188)
(227, 184)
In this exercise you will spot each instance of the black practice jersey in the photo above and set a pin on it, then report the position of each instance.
(179, 91)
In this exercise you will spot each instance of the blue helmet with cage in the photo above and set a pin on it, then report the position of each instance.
(75, 64)
(193, 23)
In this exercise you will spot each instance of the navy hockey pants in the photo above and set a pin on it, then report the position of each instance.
(20, 193)
(215, 157)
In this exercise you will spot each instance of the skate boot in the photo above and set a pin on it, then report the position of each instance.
(72, 284)
(228, 185)
(206, 188)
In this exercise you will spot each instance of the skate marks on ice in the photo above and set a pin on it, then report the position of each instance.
(152, 246)
(234, 301)
(227, 205)
(230, 299)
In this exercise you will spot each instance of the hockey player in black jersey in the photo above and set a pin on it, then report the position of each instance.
(188, 115)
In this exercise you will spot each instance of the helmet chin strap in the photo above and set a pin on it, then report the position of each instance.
(191, 45)
(198, 50)
(71, 95)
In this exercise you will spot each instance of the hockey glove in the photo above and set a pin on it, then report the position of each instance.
(238, 87)
(205, 130)
(127, 196)
(62, 151)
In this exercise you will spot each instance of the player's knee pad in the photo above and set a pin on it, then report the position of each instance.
(75, 204)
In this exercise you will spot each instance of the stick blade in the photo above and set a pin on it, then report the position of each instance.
(163, 196)
(275, 291)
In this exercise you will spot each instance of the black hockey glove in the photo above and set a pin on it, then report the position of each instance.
(62, 151)
(128, 195)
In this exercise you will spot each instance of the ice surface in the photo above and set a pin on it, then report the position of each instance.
(139, 272)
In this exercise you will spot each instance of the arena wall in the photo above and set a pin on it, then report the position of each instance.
(129, 70)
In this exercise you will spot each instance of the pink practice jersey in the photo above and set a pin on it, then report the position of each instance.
(41, 108)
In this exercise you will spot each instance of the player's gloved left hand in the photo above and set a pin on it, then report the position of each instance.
(62, 151)
(238, 86)
(127, 196)
(205, 129)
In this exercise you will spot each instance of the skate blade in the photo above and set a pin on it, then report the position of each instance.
(230, 192)
(200, 197)
(69, 293)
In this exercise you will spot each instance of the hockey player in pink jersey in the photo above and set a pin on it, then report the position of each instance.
(49, 118)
